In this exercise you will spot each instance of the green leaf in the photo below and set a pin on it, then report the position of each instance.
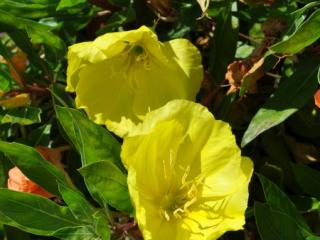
(40, 136)
(120, 3)
(85, 232)
(22, 116)
(313, 238)
(306, 204)
(77, 203)
(107, 184)
(223, 46)
(33, 213)
(101, 226)
(275, 147)
(4, 51)
(16, 234)
(118, 19)
(28, 9)
(297, 17)
(305, 35)
(39, 34)
(308, 179)
(64, 4)
(291, 95)
(6, 79)
(60, 97)
(30, 162)
(22, 40)
(5, 165)
(280, 202)
(93, 142)
(274, 224)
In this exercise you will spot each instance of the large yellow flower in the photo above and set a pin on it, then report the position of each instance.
(123, 75)
(186, 176)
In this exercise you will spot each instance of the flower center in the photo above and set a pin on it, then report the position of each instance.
(176, 203)
(138, 50)
(138, 60)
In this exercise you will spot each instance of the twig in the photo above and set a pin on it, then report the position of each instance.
(248, 38)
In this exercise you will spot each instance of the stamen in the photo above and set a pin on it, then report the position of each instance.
(166, 215)
(137, 59)
(176, 213)
(185, 175)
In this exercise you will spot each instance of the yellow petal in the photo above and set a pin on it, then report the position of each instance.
(121, 76)
(189, 59)
(186, 177)
(103, 93)
(225, 213)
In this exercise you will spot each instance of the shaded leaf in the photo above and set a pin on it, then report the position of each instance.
(291, 95)
(278, 201)
(6, 79)
(40, 136)
(107, 184)
(117, 19)
(308, 179)
(223, 46)
(305, 35)
(22, 40)
(274, 224)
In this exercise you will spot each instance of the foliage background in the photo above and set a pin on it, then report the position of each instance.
(261, 61)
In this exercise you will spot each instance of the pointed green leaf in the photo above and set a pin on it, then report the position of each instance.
(34, 214)
(30, 162)
(107, 184)
(280, 202)
(77, 203)
(291, 95)
(93, 142)
(274, 224)
(64, 4)
(308, 179)
(85, 232)
(305, 35)
(37, 32)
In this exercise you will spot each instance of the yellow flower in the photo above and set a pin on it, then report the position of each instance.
(186, 176)
(121, 76)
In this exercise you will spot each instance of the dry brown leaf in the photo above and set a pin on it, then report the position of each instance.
(244, 73)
